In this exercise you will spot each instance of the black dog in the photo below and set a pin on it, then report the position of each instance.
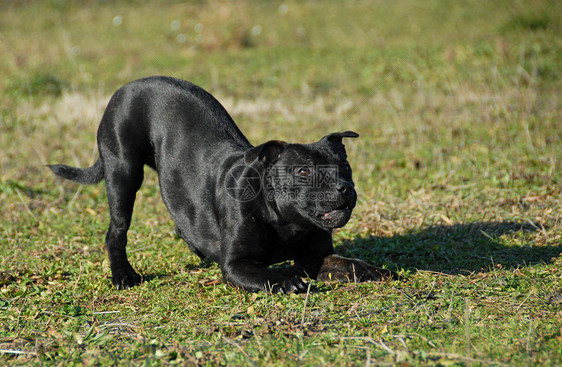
(244, 207)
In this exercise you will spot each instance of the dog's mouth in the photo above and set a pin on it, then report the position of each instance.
(337, 211)
(333, 218)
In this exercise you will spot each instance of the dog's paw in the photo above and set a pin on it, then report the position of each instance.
(373, 273)
(342, 269)
(334, 275)
(125, 278)
(287, 286)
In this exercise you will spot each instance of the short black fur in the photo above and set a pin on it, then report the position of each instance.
(231, 202)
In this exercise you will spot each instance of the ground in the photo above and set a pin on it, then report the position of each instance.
(458, 171)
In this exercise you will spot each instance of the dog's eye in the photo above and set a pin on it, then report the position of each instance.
(304, 171)
(346, 168)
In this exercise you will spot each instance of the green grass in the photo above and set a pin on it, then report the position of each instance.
(458, 170)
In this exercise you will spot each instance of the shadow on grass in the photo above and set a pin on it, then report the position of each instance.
(151, 277)
(204, 264)
(455, 249)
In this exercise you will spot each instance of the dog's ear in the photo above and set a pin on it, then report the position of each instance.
(337, 137)
(335, 141)
(267, 152)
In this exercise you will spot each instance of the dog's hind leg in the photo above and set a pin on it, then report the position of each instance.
(123, 180)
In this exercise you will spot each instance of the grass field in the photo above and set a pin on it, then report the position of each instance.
(458, 171)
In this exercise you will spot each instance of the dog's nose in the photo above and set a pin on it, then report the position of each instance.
(345, 188)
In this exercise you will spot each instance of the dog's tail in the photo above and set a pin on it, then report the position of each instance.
(88, 175)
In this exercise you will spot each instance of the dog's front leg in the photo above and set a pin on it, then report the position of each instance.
(253, 277)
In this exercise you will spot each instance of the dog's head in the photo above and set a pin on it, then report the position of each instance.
(307, 183)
